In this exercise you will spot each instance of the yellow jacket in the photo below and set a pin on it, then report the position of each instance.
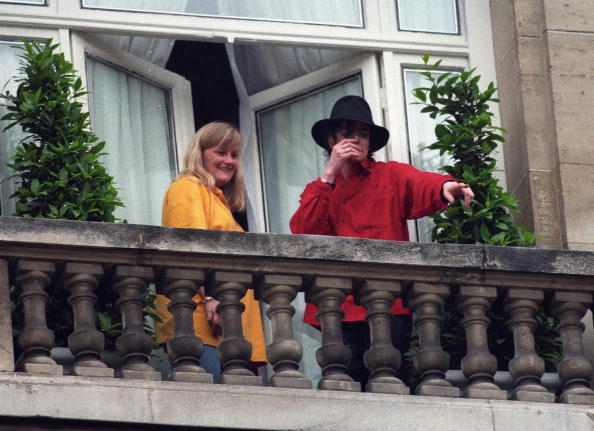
(190, 204)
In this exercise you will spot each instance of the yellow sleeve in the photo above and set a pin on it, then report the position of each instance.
(186, 205)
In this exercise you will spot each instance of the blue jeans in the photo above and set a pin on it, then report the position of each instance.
(210, 362)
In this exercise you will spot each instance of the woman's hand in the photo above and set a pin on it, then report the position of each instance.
(452, 189)
(213, 318)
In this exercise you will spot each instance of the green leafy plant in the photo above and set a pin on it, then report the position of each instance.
(57, 165)
(466, 134)
(469, 137)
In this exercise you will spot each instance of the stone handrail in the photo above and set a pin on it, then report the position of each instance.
(76, 256)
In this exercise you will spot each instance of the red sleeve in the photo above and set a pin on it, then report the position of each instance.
(420, 192)
(312, 215)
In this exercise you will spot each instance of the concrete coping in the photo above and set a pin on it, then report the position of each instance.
(17, 233)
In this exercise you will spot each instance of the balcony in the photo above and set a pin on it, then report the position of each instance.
(44, 256)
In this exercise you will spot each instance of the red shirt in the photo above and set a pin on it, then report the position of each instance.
(375, 202)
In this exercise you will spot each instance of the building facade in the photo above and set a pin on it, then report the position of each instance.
(156, 70)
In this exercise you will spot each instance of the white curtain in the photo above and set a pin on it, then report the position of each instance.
(10, 138)
(264, 66)
(151, 49)
(133, 117)
(438, 16)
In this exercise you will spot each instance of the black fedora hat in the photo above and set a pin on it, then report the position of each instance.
(350, 108)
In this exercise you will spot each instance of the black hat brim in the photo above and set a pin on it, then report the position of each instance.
(322, 129)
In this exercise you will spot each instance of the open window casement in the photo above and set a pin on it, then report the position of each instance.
(144, 114)
(281, 156)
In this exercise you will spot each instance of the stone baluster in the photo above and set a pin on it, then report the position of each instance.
(185, 348)
(382, 359)
(86, 342)
(234, 351)
(328, 293)
(36, 340)
(134, 345)
(479, 365)
(526, 367)
(431, 361)
(284, 353)
(575, 370)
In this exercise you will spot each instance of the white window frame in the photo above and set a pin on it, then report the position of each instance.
(182, 116)
(365, 65)
(459, 21)
(380, 31)
(261, 19)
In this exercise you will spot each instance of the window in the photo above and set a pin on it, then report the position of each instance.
(433, 16)
(290, 158)
(328, 12)
(132, 103)
(133, 116)
(421, 134)
(9, 139)
(31, 2)
(287, 157)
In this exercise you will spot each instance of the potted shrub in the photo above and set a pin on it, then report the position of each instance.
(58, 166)
(466, 134)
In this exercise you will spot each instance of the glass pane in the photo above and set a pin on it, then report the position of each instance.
(291, 159)
(433, 16)
(34, 2)
(9, 138)
(132, 116)
(330, 12)
(421, 134)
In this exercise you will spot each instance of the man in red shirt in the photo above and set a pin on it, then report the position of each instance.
(358, 197)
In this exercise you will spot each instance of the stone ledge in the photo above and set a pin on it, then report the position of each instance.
(17, 231)
(201, 405)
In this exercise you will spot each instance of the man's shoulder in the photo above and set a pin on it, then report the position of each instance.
(391, 166)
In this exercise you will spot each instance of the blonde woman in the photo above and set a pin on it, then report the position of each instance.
(209, 187)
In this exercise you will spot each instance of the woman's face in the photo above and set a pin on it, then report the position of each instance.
(221, 162)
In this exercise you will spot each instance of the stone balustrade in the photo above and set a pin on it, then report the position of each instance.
(41, 257)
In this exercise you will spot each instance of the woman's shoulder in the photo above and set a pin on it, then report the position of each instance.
(187, 182)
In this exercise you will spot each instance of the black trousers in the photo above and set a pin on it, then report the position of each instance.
(356, 336)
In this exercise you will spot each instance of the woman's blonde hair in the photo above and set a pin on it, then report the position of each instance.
(208, 136)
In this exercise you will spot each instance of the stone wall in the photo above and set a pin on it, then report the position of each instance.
(544, 53)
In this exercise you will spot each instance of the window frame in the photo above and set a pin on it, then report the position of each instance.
(180, 93)
(365, 65)
(459, 22)
(380, 31)
(205, 15)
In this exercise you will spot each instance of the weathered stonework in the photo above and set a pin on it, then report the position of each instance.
(550, 53)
